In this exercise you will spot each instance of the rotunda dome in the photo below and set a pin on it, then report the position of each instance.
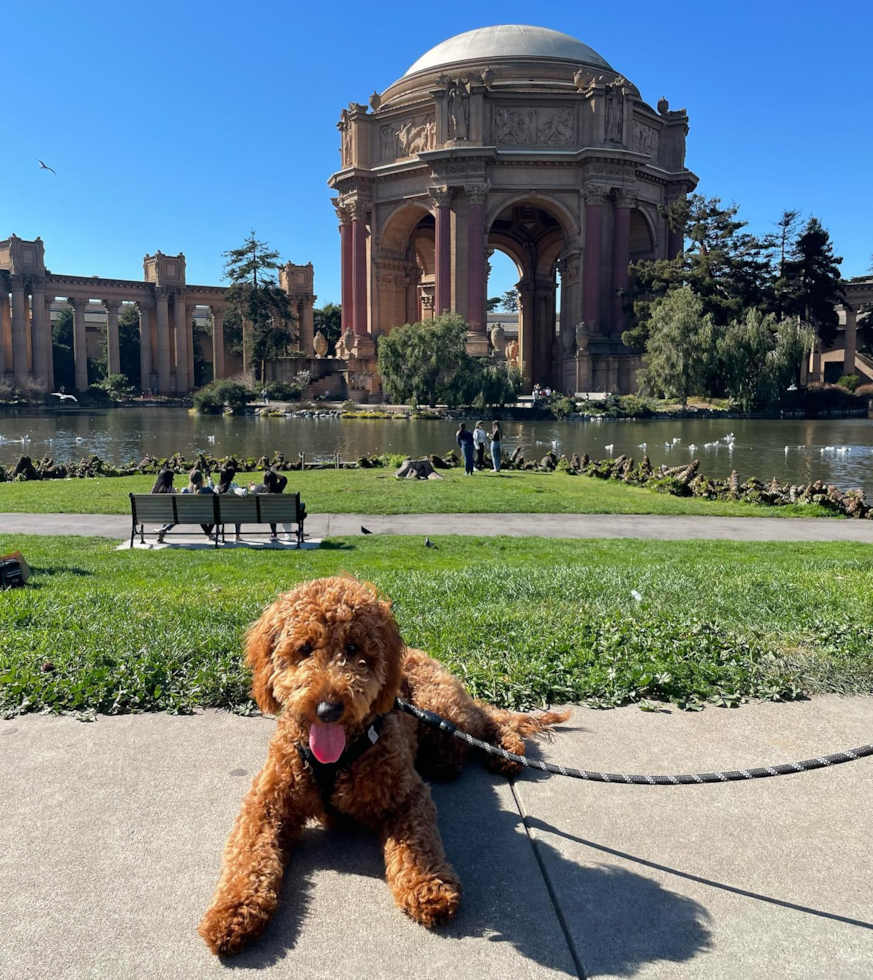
(508, 41)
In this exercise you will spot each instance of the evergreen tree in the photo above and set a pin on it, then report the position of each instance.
(256, 297)
(128, 348)
(418, 362)
(726, 267)
(680, 349)
(810, 285)
(508, 302)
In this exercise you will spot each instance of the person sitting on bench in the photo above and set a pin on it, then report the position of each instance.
(274, 483)
(195, 485)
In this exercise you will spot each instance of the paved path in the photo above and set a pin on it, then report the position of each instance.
(660, 527)
(113, 833)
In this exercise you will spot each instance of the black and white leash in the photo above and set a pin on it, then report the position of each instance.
(681, 779)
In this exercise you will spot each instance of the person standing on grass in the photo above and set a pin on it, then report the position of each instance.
(479, 440)
(464, 438)
(266, 396)
(496, 439)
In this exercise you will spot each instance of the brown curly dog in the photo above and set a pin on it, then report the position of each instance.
(328, 659)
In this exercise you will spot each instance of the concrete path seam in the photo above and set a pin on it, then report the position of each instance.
(565, 929)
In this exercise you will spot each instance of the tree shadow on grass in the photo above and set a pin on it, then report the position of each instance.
(58, 570)
(332, 544)
(628, 920)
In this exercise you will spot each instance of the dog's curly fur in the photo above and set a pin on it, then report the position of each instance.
(336, 640)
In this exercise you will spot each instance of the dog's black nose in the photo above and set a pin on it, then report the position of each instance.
(329, 712)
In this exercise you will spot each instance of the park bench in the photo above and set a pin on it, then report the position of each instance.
(217, 509)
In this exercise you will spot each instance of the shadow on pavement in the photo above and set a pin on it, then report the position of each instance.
(505, 899)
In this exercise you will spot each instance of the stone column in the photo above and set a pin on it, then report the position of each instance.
(594, 198)
(180, 337)
(442, 198)
(80, 355)
(358, 212)
(48, 299)
(189, 335)
(527, 342)
(476, 196)
(113, 355)
(145, 345)
(816, 361)
(246, 345)
(5, 328)
(625, 200)
(19, 328)
(41, 334)
(307, 326)
(851, 340)
(217, 343)
(162, 320)
(346, 276)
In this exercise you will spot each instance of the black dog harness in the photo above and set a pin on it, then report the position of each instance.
(325, 773)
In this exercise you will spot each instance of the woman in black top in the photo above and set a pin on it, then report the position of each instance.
(496, 439)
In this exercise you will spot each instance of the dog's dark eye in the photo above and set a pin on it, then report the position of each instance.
(351, 648)
(305, 650)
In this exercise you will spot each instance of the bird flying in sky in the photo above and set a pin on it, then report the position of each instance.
(43, 166)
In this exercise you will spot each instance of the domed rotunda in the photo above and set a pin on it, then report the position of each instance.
(521, 139)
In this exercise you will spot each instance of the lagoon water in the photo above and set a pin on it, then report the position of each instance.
(837, 451)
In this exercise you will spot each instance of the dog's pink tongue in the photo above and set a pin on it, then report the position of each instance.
(327, 742)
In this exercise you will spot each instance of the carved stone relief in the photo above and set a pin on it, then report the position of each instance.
(534, 127)
(646, 139)
(406, 137)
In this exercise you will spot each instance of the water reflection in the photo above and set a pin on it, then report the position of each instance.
(799, 450)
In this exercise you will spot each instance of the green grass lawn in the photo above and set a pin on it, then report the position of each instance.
(378, 492)
(523, 621)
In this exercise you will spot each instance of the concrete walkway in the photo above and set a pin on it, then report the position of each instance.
(113, 833)
(659, 527)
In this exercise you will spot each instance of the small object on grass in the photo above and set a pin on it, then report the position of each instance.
(364, 530)
(636, 595)
(428, 543)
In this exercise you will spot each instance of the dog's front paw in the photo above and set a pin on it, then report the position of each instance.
(228, 927)
(431, 899)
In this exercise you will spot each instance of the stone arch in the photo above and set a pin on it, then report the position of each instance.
(557, 209)
(643, 240)
(399, 226)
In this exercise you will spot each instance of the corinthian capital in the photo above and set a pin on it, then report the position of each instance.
(477, 193)
(625, 198)
(79, 303)
(441, 196)
(111, 305)
(596, 194)
(342, 210)
(358, 210)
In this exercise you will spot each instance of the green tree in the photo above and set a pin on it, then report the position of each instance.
(254, 294)
(509, 301)
(492, 303)
(62, 350)
(726, 267)
(810, 285)
(128, 347)
(680, 346)
(419, 362)
(328, 319)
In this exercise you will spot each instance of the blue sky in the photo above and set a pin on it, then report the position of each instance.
(182, 125)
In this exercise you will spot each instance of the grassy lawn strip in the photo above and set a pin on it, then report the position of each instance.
(523, 621)
(377, 492)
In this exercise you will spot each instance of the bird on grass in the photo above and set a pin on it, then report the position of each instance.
(428, 543)
(364, 530)
(44, 166)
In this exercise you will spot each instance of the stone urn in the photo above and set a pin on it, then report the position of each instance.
(583, 338)
(512, 352)
(488, 78)
(498, 339)
(319, 344)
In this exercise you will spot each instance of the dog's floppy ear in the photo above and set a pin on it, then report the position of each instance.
(393, 652)
(260, 641)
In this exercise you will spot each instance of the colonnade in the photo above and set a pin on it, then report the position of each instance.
(165, 322)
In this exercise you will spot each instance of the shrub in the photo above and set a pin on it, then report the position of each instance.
(849, 381)
(349, 406)
(211, 399)
(561, 406)
(115, 386)
(285, 391)
(634, 406)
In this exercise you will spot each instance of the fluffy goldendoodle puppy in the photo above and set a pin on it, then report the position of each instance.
(328, 659)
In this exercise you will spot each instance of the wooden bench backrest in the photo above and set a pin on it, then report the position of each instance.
(207, 508)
